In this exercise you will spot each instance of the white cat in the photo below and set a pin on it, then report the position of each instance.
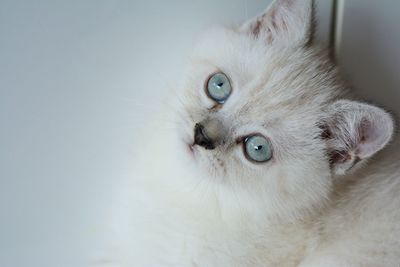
(267, 163)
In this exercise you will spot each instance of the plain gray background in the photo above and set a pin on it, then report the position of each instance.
(368, 49)
(79, 80)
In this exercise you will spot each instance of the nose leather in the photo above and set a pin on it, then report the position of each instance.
(201, 138)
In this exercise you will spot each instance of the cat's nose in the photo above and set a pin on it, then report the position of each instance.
(201, 138)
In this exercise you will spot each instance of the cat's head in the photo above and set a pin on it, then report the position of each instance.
(263, 111)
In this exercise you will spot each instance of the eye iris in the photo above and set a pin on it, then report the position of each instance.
(258, 148)
(219, 88)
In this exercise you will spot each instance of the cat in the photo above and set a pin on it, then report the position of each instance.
(270, 161)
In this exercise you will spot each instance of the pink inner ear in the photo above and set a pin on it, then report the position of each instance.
(269, 23)
(285, 21)
(355, 131)
(373, 137)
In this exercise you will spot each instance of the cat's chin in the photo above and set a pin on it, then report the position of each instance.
(193, 153)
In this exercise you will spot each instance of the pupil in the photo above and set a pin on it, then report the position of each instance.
(258, 148)
(220, 84)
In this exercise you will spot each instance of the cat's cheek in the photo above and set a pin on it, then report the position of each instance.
(206, 102)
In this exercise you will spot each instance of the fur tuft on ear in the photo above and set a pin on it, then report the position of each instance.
(287, 22)
(354, 131)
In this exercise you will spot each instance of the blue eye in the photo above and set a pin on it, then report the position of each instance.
(258, 148)
(219, 88)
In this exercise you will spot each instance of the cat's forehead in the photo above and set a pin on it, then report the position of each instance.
(269, 77)
(229, 50)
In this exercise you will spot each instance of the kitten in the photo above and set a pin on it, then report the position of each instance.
(268, 163)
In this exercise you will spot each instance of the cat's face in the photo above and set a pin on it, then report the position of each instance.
(257, 111)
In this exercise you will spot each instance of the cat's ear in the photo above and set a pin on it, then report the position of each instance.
(287, 22)
(354, 131)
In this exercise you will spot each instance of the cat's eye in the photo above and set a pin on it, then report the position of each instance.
(219, 88)
(257, 148)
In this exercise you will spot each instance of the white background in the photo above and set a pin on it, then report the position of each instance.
(79, 80)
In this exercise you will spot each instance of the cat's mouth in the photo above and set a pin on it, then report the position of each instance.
(189, 146)
(190, 149)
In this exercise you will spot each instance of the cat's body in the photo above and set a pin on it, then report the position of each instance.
(360, 226)
(200, 199)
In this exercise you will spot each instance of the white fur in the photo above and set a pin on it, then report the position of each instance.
(304, 207)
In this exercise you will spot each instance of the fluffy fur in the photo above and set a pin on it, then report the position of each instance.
(317, 203)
